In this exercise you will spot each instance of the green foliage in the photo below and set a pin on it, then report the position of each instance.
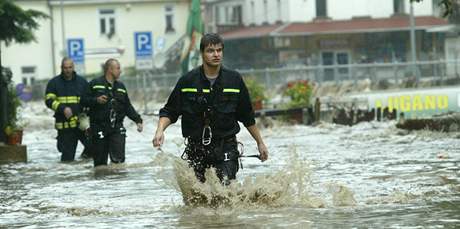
(300, 93)
(12, 104)
(17, 24)
(256, 90)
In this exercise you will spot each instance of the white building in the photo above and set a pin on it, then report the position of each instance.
(107, 28)
(277, 33)
(222, 15)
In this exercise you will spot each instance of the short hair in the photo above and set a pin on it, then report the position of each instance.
(66, 59)
(210, 39)
(108, 63)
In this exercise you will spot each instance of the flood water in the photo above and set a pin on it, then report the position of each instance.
(371, 175)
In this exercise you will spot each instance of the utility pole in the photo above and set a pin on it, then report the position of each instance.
(412, 43)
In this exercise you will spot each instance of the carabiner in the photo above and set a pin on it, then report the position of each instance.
(206, 141)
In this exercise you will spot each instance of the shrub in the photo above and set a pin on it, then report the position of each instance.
(300, 93)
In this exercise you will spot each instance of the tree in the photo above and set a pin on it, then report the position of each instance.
(16, 25)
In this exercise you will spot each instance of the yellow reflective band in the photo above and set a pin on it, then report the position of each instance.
(231, 90)
(65, 125)
(68, 99)
(58, 125)
(206, 91)
(189, 90)
(50, 96)
(98, 87)
(121, 90)
(55, 105)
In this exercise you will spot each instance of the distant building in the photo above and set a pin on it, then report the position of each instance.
(106, 27)
(275, 33)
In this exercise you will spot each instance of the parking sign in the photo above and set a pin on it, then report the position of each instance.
(144, 50)
(76, 50)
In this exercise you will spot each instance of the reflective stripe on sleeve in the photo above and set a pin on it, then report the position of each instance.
(231, 90)
(189, 90)
(55, 105)
(50, 96)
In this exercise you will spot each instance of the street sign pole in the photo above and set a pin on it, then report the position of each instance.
(144, 62)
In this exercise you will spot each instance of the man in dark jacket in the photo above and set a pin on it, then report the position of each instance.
(211, 100)
(63, 94)
(109, 103)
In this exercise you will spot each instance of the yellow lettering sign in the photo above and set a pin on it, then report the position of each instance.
(443, 102)
(417, 103)
(405, 102)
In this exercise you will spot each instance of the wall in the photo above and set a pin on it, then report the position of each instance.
(81, 20)
(37, 53)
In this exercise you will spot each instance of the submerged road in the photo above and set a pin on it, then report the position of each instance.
(371, 175)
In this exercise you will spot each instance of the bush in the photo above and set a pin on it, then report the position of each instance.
(13, 103)
(256, 90)
(300, 93)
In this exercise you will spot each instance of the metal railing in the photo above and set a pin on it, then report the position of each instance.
(147, 87)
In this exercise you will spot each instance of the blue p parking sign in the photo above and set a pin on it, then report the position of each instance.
(76, 50)
(144, 50)
(143, 43)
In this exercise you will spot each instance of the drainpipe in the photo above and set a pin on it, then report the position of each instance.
(64, 49)
(53, 49)
(412, 43)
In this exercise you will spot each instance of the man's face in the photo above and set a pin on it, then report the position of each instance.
(212, 55)
(67, 68)
(115, 70)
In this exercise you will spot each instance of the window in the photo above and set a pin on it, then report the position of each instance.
(107, 22)
(169, 17)
(28, 74)
(321, 8)
(229, 15)
(398, 6)
(235, 15)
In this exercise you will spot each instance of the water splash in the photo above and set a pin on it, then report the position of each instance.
(287, 187)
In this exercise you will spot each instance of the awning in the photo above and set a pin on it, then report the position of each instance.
(359, 25)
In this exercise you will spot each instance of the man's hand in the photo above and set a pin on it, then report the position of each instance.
(140, 127)
(102, 99)
(263, 152)
(68, 112)
(158, 139)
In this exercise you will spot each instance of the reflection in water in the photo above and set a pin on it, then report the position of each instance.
(369, 175)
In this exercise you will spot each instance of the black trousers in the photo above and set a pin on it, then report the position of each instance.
(67, 141)
(221, 154)
(109, 141)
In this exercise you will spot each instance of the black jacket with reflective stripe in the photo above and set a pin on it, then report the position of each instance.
(118, 101)
(228, 100)
(61, 93)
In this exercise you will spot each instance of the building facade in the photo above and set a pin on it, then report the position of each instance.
(291, 33)
(106, 29)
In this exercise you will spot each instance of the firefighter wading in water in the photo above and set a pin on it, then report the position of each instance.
(211, 100)
(63, 94)
(109, 103)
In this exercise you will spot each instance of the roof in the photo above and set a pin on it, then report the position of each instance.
(359, 25)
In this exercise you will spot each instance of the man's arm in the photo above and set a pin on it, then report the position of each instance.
(263, 151)
(159, 138)
(51, 98)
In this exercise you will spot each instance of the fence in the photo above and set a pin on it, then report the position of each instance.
(146, 88)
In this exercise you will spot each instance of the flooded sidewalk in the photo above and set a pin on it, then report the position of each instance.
(371, 175)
